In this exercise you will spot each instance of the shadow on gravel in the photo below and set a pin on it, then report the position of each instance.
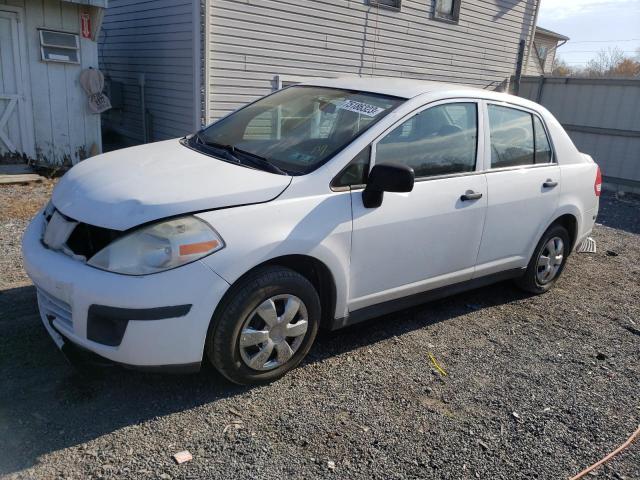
(46, 405)
(622, 214)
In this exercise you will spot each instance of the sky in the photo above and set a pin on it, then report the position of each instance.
(592, 25)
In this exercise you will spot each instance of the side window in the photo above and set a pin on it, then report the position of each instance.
(512, 142)
(356, 172)
(447, 10)
(438, 141)
(543, 147)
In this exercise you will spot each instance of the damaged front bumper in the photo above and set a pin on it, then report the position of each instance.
(118, 317)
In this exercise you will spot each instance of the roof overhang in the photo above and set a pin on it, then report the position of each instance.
(549, 33)
(90, 3)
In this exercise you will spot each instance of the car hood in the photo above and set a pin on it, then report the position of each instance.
(126, 188)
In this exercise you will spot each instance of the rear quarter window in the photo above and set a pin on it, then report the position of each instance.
(544, 153)
(512, 142)
(517, 138)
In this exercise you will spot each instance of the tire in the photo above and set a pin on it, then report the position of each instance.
(531, 281)
(270, 292)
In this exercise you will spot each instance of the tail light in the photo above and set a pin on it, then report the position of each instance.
(597, 187)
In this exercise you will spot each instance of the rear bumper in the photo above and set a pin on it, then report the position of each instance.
(588, 221)
(155, 320)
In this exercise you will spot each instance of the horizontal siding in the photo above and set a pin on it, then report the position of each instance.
(252, 42)
(534, 67)
(552, 45)
(154, 37)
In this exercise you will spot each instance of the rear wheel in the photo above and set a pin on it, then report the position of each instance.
(547, 262)
(265, 327)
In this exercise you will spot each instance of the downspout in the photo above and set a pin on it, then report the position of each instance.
(143, 107)
(516, 83)
(532, 35)
(555, 51)
(206, 56)
(198, 20)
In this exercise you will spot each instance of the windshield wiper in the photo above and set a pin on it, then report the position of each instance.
(226, 149)
(231, 152)
(262, 161)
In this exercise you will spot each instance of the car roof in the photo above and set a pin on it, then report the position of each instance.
(409, 88)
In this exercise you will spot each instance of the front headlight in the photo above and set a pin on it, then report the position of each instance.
(158, 247)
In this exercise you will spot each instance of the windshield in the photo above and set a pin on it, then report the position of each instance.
(296, 129)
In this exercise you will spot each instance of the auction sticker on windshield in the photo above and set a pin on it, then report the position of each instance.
(359, 107)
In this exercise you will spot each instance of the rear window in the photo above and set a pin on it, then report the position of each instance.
(517, 138)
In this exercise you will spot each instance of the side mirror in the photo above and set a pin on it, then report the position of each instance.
(386, 177)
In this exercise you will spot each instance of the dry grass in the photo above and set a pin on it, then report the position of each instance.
(21, 202)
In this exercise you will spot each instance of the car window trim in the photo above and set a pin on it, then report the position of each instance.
(355, 188)
(548, 137)
(479, 135)
(483, 166)
(529, 111)
(408, 116)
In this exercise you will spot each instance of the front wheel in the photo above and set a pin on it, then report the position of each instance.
(547, 262)
(265, 327)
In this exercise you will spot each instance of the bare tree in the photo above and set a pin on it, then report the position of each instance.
(626, 68)
(560, 68)
(611, 62)
(604, 62)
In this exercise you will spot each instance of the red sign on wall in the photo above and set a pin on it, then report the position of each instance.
(85, 25)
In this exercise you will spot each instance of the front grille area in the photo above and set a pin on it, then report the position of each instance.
(87, 240)
(55, 309)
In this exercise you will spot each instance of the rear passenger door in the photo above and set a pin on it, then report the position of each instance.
(523, 182)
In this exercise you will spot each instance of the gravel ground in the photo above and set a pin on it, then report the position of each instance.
(18, 204)
(536, 387)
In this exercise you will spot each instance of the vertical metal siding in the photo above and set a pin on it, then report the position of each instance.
(252, 42)
(602, 116)
(155, 38)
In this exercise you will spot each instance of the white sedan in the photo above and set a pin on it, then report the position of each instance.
(320, 205)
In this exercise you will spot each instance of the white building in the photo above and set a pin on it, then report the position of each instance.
(44, 46)
(188, 62)
(545, 46)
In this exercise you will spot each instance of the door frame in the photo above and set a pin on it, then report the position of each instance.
(396, 295)
(25, 110)
(480, 140)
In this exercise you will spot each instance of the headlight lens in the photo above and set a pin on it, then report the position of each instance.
(158, 247)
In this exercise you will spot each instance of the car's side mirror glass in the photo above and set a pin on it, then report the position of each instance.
(386, 177)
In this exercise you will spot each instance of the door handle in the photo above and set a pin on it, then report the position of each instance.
(550, 184)
(470, 195)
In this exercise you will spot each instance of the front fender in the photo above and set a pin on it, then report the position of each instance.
(317, 226)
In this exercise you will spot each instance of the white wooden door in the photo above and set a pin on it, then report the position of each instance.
(14, 136)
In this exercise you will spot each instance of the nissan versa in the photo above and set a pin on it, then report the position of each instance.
(323, 204)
